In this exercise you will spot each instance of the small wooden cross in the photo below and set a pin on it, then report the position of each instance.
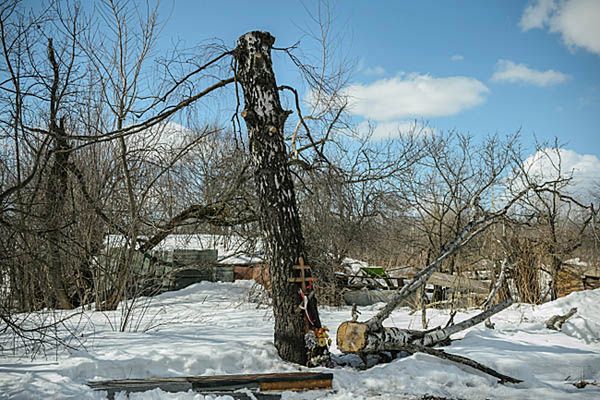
(303, 278)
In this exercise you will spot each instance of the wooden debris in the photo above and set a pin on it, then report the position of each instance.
(359, 337)
(294, 381)
(371, 280)
(556, 322)
(583, 383)
(457, 282)
(302, 280)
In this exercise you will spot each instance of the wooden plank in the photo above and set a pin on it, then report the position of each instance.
(213, 394)
(302, 267)
(256, 380)
(446, 280)
(311, 384)
(294, 381)
(300, 279)
(244, 396)
(141, 385)
(458, 282)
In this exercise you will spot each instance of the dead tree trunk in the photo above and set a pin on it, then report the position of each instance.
(56, 192)
(55, 197)
(278, 212)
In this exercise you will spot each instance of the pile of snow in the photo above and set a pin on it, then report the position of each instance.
(211, 329)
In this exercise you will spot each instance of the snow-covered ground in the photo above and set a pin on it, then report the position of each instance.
(212, 328)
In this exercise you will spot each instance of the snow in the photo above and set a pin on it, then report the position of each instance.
(231, 249)
(212, 329)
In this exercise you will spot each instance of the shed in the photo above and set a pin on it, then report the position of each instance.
(576, 275)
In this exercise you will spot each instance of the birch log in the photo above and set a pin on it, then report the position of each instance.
(357, 337)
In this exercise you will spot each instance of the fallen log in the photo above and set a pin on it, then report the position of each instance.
(470, 231)
(358, 337)
(371, 336)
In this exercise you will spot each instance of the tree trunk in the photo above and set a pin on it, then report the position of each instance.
(278, 212)
(359, 337)
(56, 192)
(55, 197)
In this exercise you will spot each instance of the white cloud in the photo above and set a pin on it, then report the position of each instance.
(584, 168)
(457, 57)
(375, 71)
(160, 142)
(391, 129)
(415, 95)
(508, 71)
(577, 21)
(537, 14)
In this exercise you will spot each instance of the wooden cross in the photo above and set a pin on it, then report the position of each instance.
(303, 278)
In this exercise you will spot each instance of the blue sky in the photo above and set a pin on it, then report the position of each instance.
(547, 83)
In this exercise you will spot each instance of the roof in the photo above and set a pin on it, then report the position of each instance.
(231, 249)
(582, 267)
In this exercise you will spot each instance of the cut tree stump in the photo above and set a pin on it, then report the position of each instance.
(223, 384)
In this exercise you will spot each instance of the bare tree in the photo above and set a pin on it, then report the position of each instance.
(558, 216)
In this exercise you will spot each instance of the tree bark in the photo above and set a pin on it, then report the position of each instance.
(278, 212)
(358, 337)
(56, 192)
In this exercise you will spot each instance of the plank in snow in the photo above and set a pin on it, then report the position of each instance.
(222, 383)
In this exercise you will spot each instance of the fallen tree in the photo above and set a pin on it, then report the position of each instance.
(371, 337)
(357, 337)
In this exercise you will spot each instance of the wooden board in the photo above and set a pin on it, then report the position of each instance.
(458, 282)
(569, 280)
(293, 381)
(446, 280)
